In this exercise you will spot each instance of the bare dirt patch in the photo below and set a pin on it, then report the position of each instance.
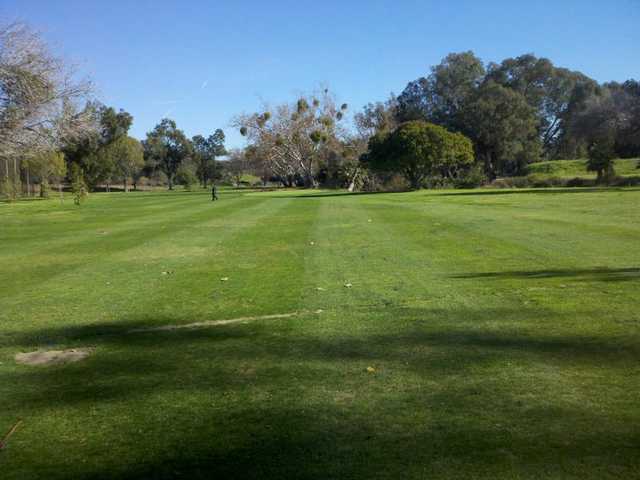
(212, 323)
(52, 357)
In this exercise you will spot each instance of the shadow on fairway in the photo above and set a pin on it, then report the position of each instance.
(337, 194)
(265, 400)
(540, 191)
(588, 274)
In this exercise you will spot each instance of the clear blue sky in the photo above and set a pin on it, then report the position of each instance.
(202, 61)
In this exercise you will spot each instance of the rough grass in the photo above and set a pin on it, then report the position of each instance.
(624, 167)
(501, 328)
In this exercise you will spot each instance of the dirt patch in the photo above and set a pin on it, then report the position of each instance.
(212, 323)
(52, 357)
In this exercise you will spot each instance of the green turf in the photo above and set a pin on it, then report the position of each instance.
(624, 167)
(502, 328)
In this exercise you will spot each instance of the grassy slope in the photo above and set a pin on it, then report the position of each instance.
(577, 168)
(503, 328)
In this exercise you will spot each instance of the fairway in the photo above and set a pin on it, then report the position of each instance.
(441, 334)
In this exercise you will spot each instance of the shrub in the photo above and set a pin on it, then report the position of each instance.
(186, 177)
(472, 178)
(538, 181)
(511, 182)
(632, 181)
(580, 182)
(9, 190)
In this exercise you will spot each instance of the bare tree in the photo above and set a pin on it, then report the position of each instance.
(290, 137)
(40, 100)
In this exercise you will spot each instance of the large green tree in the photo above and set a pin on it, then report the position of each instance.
(419, 150)
(126, 155)
(94, 154)
(205, 152)
(168, 147)
(504, 128)
(442, 96)
(548, 89)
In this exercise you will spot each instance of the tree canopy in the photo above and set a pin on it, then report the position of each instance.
(419, 150)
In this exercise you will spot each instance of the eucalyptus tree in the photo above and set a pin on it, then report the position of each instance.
(168, 147)
(504, 128)
(548, 89)
(205, 152)
(442, 96)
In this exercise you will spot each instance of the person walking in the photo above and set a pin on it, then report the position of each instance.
(214, 193)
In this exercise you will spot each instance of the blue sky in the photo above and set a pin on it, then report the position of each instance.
(201, 62)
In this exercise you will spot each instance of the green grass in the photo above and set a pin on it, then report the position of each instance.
(624, 167)
(503, 328)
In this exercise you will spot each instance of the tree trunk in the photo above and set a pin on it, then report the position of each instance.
(125, 185)
(28, 183)
(352, 183)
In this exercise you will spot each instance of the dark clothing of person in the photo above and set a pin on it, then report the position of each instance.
(214, 195)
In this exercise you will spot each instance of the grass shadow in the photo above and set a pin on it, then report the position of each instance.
(541, 191)
(602, 274)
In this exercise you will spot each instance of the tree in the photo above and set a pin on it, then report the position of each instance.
(205, 151)
(168, 147)
(605, 123)
(258, 165)
(378, 117)
(186, 175)
(236, 165)
(39, 98)
(546, 88)
(442, 96)
(47, 166)
(504, 129)
(96, 154)
(291, 137)
(127, 157)
(419, 150)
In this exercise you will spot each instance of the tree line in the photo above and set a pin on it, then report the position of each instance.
(53, 131)
(462, 124)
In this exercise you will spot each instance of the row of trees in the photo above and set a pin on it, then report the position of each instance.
(51, 130)
(462, 122)
(522, 110)
(109, 155)
(525, 109)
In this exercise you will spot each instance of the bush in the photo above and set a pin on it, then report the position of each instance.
(511, 182)
(473, 178)
(580, 182)
(396, 183)
(79, 188)
(186, 177)
(9, 190)
(158, 179)
(633, 181)
(538, 181)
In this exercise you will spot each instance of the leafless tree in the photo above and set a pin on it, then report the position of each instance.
(290, 137)
(40, 98)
